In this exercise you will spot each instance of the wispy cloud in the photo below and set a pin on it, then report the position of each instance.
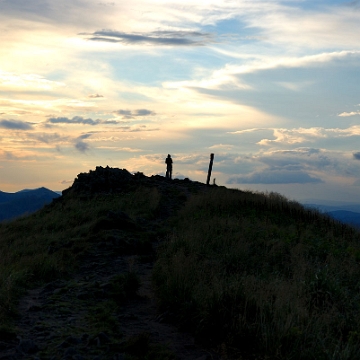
(33, 81)
(81, 120)
(74, 120)
(301, 135)
(155, 38)
(49, 138)
(132, 114)
(352, 113)
(221, 147)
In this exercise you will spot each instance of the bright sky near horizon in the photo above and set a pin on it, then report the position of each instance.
(270, 87)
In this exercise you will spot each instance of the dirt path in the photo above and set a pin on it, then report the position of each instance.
(90, 317)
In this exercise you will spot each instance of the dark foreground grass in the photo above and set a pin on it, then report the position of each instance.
(258, 275)
(47, 244)
(263, 276)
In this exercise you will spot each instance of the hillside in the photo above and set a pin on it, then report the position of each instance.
(24, 202)
(133, 267)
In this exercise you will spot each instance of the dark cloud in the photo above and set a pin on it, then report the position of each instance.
(111, 122)
(162, 38)
(300, 151)
(84, 136)
(129, 114)
(144, 112)
(356, 156)
(274, 177)
(15, 125)
(81, 146)
(95, 96)
(74, 120)
(81, 120)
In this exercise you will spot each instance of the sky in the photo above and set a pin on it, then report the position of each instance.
(270, 87)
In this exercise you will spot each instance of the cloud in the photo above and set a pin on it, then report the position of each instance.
(33, 81)
(81, 120)
(15, 125)
(49, 138)
(74, 120)
(129, 114)
(288, 165)
(81, 146)
(95, 96)
(221, 147)
(235, 77)
(248, 131)
(293, 136)
(352, 113)
(297, 159)
(84, 136)
(275, 177)
(157, 38)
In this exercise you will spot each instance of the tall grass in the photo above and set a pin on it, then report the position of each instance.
(264, 276)
(45, 246)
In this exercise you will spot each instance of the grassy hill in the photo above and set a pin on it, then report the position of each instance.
(252, 275)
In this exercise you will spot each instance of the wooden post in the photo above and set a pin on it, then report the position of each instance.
(210, 169)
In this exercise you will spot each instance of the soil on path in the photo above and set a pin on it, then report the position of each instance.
(57, 320)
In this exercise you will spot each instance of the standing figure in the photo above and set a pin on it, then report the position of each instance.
(168, 162)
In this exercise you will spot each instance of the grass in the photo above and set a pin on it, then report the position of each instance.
(47, 244)
(264, 276)
(254, 275)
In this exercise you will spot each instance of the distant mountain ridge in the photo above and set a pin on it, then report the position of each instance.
(347, 217)
(348, 213)
(26, 201)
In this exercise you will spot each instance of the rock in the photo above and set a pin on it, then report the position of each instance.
(204, 357)
(84, 337)
(102, 179)
(70, 340)
(27, 346)
(35, 308)
(99, 340)
(78, 357)
(70, 352)
(104, 338)
(119, 357)
(58, 291)
(83, 295)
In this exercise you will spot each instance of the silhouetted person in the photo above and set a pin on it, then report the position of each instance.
(168, 162)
